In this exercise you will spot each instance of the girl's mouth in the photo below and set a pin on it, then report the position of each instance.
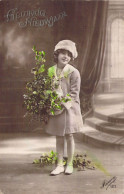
(64, 60)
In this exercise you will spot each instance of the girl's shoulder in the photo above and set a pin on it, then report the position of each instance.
(75, 74)
(73, 69)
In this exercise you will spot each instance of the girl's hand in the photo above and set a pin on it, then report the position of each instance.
(62, 105)
(67, 105)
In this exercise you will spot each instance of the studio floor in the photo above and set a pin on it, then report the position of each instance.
(18, 174)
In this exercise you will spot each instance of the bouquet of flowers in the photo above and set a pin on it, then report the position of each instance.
(42, 98)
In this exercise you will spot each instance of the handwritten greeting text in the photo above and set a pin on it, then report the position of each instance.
(31, 17)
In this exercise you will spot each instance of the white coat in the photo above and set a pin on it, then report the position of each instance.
(70, 120)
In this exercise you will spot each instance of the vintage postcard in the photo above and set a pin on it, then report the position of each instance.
(61, 97)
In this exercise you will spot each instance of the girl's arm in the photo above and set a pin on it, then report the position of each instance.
(75, 80)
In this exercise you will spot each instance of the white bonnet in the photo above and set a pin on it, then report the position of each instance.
(67, 45)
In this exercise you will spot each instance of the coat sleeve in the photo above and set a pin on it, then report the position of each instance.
(75, 82)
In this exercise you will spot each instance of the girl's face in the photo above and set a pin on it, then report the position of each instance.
(63, 58)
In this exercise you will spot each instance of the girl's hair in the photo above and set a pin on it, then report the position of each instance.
(56, 53)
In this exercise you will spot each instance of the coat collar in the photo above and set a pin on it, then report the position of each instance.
(66, 70)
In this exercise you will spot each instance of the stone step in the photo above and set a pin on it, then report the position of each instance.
(106, 127)
(116, 118)
(108, 99)
(100, 139)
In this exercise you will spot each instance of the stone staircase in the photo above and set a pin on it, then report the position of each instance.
(105, 128)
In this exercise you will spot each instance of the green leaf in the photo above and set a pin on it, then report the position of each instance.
(33, 70)
(40, 53)
(34, 92)
(53, 162)
(48, 91)
(49, 159)
(43, 53)
(51, 71)
(40, 58)
(55, 158)
(42, 96)
(41, 69)
(30, 89)
(53, 103)
(36, 57)
(34, 48)
(25, 96)
(44, 60)
(64, 162)
(59, 107)
(36, 161)
(52, 111)
(52, 153)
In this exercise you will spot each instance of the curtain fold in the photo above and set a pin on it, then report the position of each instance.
(93, 56)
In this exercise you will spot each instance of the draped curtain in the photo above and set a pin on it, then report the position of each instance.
(92, 58)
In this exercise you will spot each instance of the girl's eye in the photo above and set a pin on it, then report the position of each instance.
(66, 53)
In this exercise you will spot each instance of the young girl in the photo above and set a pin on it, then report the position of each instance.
(69, 120)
